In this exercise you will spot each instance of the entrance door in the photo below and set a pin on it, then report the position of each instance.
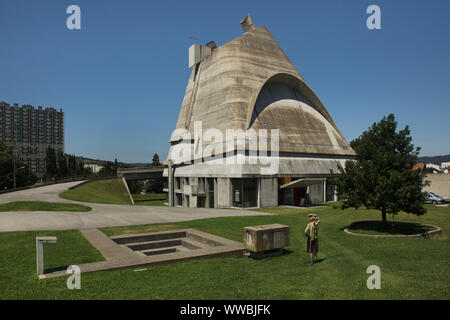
(299, 196)
(237, 192)
(245, 192)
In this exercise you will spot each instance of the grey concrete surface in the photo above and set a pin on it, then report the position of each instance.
(439, 184)
(101, 216)
(140, 173)
(116, 258)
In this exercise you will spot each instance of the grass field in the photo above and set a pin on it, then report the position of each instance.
(410, 269)
(18, 278)
(101, 191)
(157, 199)
(111, 191)
(42, 206)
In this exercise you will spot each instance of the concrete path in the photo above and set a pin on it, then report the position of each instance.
(101, 216)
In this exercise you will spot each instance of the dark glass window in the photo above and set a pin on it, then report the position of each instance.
(244, 192)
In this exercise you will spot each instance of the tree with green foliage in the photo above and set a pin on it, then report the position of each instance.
(63, 170)
(81, 171)
(24, 176)
(108, 170)
(135, 186)
(155, 160)
(72, 165)
(51, 167)
(155, 185)
(381, 175)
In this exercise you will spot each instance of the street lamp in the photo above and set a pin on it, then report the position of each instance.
(13, 144)
(14, 165)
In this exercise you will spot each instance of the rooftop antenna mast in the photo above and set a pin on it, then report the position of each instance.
(195, 39)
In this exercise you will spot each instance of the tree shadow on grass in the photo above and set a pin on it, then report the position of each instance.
(389, 227)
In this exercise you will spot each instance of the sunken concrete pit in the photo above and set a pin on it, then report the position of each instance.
(161, 243)
(153, 248)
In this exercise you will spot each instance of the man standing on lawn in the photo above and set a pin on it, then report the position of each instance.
(312, 242)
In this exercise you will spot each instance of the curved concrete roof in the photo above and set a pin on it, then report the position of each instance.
(300, 86)
(250, 83)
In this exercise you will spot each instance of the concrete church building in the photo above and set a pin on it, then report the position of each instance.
(250, 84)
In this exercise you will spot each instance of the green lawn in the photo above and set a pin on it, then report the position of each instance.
(157, 199)
(410, 269)
(18, 278)
(111, 191)
(101, 191)
(43, 206)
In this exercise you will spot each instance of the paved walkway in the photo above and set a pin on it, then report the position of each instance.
(101, 216)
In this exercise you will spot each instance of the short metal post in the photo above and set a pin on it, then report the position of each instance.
(170, 180)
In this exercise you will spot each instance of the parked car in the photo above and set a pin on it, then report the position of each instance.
(433, 198)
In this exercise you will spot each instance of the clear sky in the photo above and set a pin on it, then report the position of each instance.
(121, 79)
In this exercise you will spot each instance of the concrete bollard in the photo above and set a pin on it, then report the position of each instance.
(40, 252)
(266, 240)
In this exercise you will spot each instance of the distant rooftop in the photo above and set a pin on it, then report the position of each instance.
(27, 106)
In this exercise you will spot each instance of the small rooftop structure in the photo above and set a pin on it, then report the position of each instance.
(247, 24)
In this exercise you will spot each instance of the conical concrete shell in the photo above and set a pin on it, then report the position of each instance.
(250, 83)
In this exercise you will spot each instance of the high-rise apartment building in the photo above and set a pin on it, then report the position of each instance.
(31, 131)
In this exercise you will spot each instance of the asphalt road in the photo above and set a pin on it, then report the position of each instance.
(102, 215)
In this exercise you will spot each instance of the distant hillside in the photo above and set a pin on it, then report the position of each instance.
(435, 159)
(138, 164)
(94, 161)
(103, 162)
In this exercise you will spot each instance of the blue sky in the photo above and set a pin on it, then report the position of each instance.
(121, 79)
